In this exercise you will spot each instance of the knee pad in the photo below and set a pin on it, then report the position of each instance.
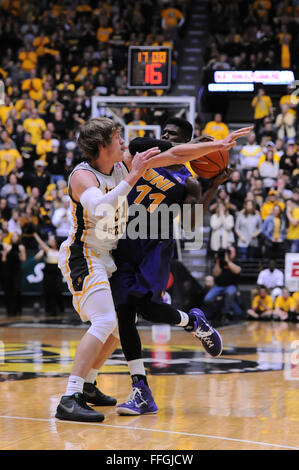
(99, 310)
(102, 326)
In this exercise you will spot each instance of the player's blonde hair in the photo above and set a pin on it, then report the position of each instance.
(96, 132)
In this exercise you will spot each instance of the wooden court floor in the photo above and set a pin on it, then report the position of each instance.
(246, 399)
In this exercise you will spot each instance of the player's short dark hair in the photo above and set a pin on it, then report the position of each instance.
(95, 132)
(184, 125)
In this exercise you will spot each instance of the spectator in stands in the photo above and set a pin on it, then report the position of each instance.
(14, 222)
(292, 235)
(216, 128)
(236, 189)
(291, 99)
(269, 170)
(52, 281)
(223, 197)
(262, 305)
(29, 225)
(8, 157)
(55, 161)
(12, 257)
(28, 153)
(282, 184)
(45, 145)
(271, 278)
(262, 105)
(172, 17)
(248, 228)
(62, 219)
(250, 153)
(271, 201)
(274, 232)
(222, 224)
(288, 160)
(285, 123)
(12, 191)
(284, 306)
(35, 126)
(39, 178)
(226, 275)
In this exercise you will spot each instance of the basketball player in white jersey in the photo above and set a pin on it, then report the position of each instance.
(98, 189)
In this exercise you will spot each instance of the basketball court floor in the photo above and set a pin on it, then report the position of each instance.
(246, 399)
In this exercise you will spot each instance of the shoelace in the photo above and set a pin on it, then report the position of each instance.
(204, 335)
(82, 402)
(133, 393)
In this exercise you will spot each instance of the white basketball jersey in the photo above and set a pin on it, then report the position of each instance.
(84, 228)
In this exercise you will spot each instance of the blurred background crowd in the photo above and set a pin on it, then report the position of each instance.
(56, 55)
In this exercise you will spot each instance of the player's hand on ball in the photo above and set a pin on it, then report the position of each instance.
(222, 177)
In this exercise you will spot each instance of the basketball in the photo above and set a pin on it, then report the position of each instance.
(211, 165)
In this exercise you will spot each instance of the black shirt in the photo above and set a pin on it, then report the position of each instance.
(227, 277)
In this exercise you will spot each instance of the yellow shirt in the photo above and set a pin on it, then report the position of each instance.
(267, 208)
(35, 127)
(293, 230)
(40, 42)
(34, 86)
(172, 16)
(284, 304)
(267, 301)
(103, 34)
(4, 113)
(28, 59)
(263, 104)
(136, 133)
(276, 233)
(8, 160)
(276, 158)
(291, 100)
(295, 297)
(218, 130)
(43, 147)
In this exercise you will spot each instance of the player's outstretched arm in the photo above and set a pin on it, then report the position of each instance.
(186, 152)
(85, 187)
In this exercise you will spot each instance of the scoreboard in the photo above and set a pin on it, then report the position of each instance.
(149, 67)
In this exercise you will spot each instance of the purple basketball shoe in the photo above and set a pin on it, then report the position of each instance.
(210, 338)
(139, 402)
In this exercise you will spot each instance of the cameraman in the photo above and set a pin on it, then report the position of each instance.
(226, 274)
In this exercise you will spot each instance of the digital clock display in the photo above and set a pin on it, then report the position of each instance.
(149, 67)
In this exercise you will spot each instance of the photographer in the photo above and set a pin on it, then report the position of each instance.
(226, 274)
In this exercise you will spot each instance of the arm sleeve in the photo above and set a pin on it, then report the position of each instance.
(96, 203)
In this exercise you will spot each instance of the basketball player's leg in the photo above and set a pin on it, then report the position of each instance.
(194, 322)
(90, 390)
(140, 400)
(98, 308)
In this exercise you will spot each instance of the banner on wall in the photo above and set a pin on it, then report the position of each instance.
(292, 271)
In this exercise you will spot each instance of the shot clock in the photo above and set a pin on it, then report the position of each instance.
(149, 67)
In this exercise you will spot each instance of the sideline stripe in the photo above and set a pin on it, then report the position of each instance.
(134, 428)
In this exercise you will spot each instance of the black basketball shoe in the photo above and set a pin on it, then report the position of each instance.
(93, 395)
(74, 408)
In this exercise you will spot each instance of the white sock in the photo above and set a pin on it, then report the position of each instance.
(136, 367)
(91, 376)
(184, 319)
(75, 385)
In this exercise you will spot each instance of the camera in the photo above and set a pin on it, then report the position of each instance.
(221, 255)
